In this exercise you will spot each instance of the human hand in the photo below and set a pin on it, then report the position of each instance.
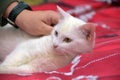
(34, 22)
(37, 22)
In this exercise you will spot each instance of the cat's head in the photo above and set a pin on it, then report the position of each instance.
(72, 35)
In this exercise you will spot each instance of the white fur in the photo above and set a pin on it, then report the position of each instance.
(30, 54)
(10, 37)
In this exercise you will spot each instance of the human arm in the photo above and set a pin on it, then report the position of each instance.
(34, 22)
(3, 6)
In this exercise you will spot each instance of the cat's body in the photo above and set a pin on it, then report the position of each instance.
(35, 58)
(10, 37)
(69, 38)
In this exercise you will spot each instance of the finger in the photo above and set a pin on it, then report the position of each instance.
(55, 18)
(45, 29)
(52, 18)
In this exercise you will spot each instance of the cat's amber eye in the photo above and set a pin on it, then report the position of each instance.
(56, 33)
(67, 40)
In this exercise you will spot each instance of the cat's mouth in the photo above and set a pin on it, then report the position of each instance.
(60, 51)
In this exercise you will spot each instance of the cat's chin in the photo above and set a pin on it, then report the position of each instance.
(60, 52)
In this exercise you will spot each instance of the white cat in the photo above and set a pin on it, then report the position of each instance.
(69, 38)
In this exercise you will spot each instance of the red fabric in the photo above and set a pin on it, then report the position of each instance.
(103, 62)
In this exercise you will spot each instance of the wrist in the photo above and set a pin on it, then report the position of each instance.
(20, 19)
(9, 9)
(14, 10)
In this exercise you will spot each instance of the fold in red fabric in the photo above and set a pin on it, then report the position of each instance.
(100, 64)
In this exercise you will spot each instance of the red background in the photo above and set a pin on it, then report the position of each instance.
(103, 61)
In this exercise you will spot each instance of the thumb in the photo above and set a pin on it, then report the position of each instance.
(54, 18)
(46, 29)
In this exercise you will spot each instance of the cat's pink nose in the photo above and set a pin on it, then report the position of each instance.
(55, 46)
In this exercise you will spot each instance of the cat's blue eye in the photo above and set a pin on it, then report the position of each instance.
(56, 33)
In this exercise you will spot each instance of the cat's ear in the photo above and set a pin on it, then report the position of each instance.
(62, 13)
(88, 30)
